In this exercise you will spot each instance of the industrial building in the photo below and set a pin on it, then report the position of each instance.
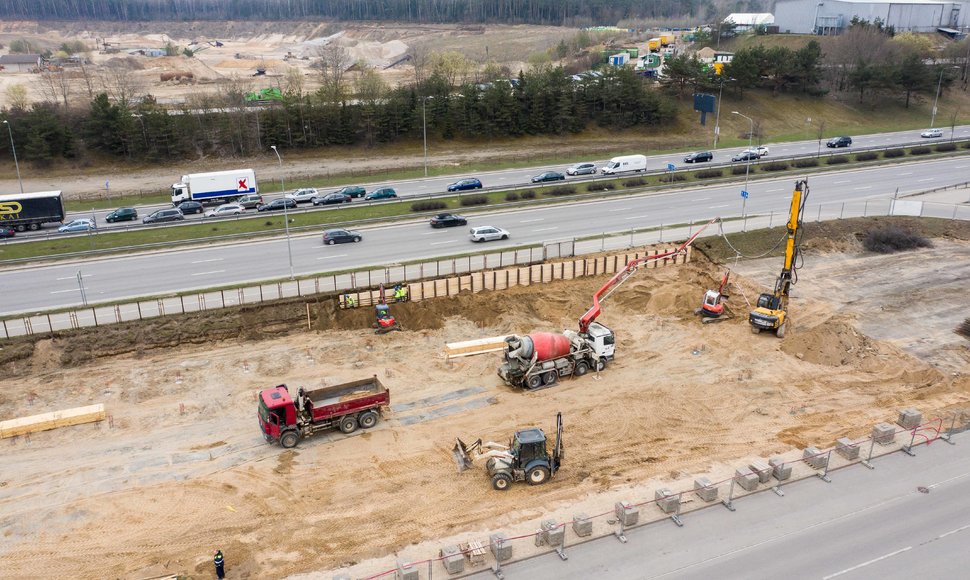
(830, 17)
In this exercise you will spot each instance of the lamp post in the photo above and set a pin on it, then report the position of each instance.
(747, 162)
(717, 115)
(815, 22)
(424, 130)
(286, 214)
(14, 151)
(143, 131)
(936, 100)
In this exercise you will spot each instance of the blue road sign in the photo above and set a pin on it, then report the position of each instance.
(671, 167)
(744, 194)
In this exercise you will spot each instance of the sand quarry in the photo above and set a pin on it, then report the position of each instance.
(181, 468)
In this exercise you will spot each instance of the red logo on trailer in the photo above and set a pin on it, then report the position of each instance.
(242, 185)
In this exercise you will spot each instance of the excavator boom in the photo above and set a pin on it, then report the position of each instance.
(630, 269)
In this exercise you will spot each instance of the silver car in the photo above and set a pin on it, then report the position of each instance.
(582, 169)
(488, 233)
(303, 195)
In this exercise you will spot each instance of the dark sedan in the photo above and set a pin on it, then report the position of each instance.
(188, 207)
(447, 220)
(352, 191)
(463, 184)
(331, 237)
(331, 198)
(277, 204)
(548, 176)
(746, 156)
(699, 157)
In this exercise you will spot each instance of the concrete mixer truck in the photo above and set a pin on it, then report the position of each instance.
(541, 358)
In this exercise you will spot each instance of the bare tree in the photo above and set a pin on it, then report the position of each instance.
(293, 81)
(420, 60)
(234, 88)
(858, 44)
(121, 84)
(369, 87)
(87, 76)
(56, 86)
(332, 62)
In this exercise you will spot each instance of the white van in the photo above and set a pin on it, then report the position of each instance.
(624, 164)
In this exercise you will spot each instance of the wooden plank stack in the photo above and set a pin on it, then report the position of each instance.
(52, 420)
(472, 347)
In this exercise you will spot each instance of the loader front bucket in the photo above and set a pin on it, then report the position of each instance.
(462, 458)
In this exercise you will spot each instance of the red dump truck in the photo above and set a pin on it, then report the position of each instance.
(346, 406)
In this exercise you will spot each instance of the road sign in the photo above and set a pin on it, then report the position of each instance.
(671, 167)
(744, 194)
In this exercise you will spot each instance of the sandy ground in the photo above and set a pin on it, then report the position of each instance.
(181, 468)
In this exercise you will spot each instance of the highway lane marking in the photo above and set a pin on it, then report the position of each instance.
(530, 221)
(209, 260)
(775, 190)
(863, 187)
(637, 217)
(447, 242)
(546, 229)
(75, 277)
(717, 206)
(702, 199)
(331, 257)
(864, 564)
(63, 291)
(841, 182)
(922, 180)
(960, 529)
(619, 209)
(207, 273)
(907, 173)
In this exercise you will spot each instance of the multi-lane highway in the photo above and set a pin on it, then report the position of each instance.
(508, 178)
(111, 278)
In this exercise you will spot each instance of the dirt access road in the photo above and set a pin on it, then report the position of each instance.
(181, 469)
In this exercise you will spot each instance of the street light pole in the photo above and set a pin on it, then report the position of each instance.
(717, 115)
(936, 100)
(14, 151)
(143, 131)
(747, 161)
(424, 130)
(286, 214)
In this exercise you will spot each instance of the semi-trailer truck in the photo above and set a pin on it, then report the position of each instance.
(286, 419)
(29, 211)
(215, 186)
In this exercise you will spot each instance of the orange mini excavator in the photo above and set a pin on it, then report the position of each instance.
(385, 321)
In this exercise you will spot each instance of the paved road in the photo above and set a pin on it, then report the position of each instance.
(865, 524)
(30, 288)
(508, 178)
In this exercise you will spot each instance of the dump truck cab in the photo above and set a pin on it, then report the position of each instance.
(277, 412)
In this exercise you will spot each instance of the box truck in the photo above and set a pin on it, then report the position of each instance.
(29, 211)
(215, 186)
(625, 164)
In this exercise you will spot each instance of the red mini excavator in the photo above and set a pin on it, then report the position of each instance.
(385, 321)
(713, 307)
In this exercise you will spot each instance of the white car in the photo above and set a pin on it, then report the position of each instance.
(931, 133)
(226, 209)
(760, 150)
(78, 225)
(487, 233)
(303, 195)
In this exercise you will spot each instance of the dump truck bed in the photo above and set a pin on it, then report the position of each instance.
(355, 396)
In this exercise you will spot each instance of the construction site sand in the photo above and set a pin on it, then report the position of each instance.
(181, 468)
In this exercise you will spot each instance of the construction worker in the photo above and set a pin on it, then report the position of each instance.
(349, 301)
(400, 294)
(220, 563)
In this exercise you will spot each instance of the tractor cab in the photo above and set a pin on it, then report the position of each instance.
(527, 446)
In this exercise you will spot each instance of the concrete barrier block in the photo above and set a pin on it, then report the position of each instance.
(342, 577)
(909, 418)
(884, 434)
(626, 513)
(846, 448)
(501, 546)
(667, 501)
(554, 533)
(704, 489)
(406, 571)
(779, 469)
(746, 478)
(761, 469)
(582, 525)
(452, 559)
(815, 458)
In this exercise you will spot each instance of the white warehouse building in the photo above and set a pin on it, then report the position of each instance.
(834, 16)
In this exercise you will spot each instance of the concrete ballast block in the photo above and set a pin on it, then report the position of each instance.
(761, 469)
(747, 479)
(815, 458)
(910, 418)
(846, 448)
(667, 501)
(704, 489)
(342, 577)
(501, 546)
(626, 513)
(582, 525)
(884, 434)
(452, 559)
(779, 469)
(555, 534)
(406, 571)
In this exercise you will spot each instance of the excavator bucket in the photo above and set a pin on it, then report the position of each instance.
(462, 455)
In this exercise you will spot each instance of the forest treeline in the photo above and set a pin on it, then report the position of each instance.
(439, 11)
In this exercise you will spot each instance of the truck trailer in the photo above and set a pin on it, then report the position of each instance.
(347, 406)
(29, 211)
(215, 186)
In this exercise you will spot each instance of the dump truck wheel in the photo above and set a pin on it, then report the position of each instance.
(581, 369)
(289, 439)
(501, 481)
(367, 419)
(534, 381)
(348, 424)
(538, 475)
(549, 378)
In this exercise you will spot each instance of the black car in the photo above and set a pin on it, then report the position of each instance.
(447, 220)
(331, 237)
(188, 207)
(839, 142)
(172, 214)
(746, 156)
(277, 204)
(122, 214)
(548, 176)
(463, 184)
(352, 191)
(699, 157)
(331, 198)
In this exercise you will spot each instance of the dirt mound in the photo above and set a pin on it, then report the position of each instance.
(833, 343)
